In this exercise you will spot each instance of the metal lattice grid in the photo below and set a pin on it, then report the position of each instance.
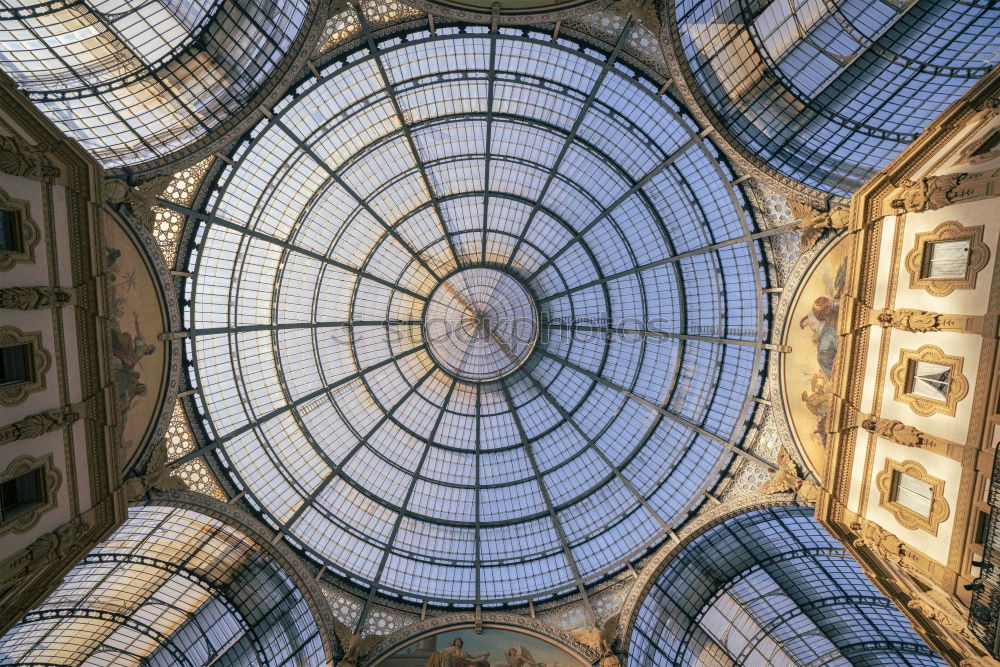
(421, 156)
(132, 81)
(771, 587)
(827, 93)
(171, 587)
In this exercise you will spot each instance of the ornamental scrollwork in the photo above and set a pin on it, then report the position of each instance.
(951, 230)
(886, 482)
(16, 392)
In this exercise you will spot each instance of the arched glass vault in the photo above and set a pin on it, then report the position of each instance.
(770, 587)
(170, 587)
(827, 93)
(593, 343)
(134, 80)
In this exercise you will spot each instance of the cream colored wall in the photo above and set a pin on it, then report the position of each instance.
(933, 546)
(892, 290)
(964, 301)
(944, 426)
(67, 449)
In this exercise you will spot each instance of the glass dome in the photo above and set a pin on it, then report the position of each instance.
(827, 93)
(133, 80)
(475, 318)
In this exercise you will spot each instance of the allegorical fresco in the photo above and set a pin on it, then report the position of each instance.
(811, 332)
(492, 648)
(137, 357)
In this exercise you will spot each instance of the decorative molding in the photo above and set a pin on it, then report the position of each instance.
(883, 544)
(35, 298)
(51, 479)
(924, 321)
(19, 159)
(27, 230)
(885, 481)
(458, 11)
(951, 230)
(38, 424)
(812, 223)
(16, 392)
(50, 548)
(966, 154)
(788, 478)
(902, 377)
(934, 192)
(900, 433)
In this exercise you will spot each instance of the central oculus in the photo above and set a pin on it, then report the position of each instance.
(480, 324)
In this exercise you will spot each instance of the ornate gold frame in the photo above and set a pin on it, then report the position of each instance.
(900, 375)
(15, 393)
(28, 230)
(27, 519)
(952, 230)
(885, 482)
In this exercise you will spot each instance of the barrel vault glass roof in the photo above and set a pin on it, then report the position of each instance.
(770, 587)
(170, 587)
(419, 156)
(828, 92)
(132, 80)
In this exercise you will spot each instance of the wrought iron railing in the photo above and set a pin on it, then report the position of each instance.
(984, 613)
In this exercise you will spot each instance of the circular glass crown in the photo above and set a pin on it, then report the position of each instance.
(480, 324)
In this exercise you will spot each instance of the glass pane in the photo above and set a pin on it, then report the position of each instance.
(913, 493)
(947, 259)
(930, 380)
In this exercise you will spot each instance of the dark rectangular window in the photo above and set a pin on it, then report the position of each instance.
(10, 231)
(15, 363)
(982, 524)
(20, 493)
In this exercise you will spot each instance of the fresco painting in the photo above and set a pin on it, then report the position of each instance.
(807, 370)
(137, 356)
(493, 648)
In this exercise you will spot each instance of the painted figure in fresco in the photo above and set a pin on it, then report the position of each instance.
(128, 351)
(128, 348)
(456, 656)
(822, 322)
(514, 659)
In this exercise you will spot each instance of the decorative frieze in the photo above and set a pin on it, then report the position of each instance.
(19, 159)
(923, 321)
(35, 298)
(935, 192)
(38, 424)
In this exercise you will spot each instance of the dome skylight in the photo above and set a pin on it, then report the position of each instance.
(476, 318)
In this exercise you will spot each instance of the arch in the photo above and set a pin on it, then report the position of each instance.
(185, 580)
(767, 586)
(826, 94)
(136, 83)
